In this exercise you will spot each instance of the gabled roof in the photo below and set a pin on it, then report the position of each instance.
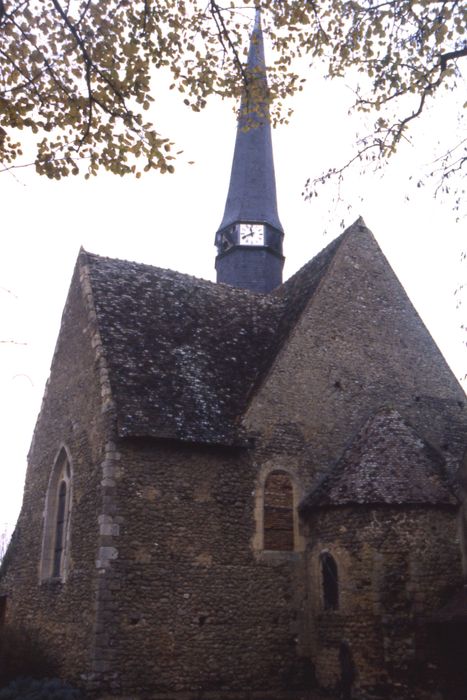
(184, 355)
(387, 463)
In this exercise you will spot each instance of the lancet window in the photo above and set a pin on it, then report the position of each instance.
(55, 543)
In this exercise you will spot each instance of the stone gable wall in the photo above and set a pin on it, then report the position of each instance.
(358, 346)
(63, 612)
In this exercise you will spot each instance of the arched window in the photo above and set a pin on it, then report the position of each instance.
(278, 522)
(55, 540)
(330, 581)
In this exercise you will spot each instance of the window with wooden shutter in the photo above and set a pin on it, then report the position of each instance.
(278, 521)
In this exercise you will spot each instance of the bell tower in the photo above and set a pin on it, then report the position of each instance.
(249, 239)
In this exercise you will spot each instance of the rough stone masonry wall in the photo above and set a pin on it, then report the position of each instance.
(396, 566)
(359, 346)
(195, 611)
(62, 612)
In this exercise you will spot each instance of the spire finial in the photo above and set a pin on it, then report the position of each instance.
(256, 64)
(257, 25)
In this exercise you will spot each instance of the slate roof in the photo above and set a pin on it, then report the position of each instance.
(184, 354)
(387, 463)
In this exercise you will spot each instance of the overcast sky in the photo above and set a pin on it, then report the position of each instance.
(170, 221)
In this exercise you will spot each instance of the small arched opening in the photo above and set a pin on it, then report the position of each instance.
(330, 581)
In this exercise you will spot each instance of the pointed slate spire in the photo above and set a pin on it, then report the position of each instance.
(252, 189)
(249, 239)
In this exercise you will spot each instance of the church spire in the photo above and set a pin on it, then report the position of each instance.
(249, 239)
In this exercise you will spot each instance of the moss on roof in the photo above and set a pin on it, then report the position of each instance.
(387, 463)
(185, 355)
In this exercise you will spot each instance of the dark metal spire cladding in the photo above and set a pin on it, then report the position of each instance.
(252, 189)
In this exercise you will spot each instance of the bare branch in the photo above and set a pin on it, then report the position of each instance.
(224, 35)
(11, 342)
(445, 57)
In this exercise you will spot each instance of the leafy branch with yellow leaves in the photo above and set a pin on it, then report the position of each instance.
(80, 74)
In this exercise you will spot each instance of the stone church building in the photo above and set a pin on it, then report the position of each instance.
(245, 489)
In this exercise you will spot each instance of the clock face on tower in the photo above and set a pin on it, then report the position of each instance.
(251, 234)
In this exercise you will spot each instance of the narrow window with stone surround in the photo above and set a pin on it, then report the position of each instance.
(55, 541)
(60, 530)
(278, 520)
(3, 600)
(330, 581)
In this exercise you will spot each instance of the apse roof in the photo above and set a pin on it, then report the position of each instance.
(184, 355)
(387, 463)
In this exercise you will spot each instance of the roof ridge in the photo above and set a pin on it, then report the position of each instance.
(174, 274)
(337, 241)
(97, 344)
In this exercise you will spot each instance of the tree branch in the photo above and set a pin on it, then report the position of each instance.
(445, 57)
(223, 32)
